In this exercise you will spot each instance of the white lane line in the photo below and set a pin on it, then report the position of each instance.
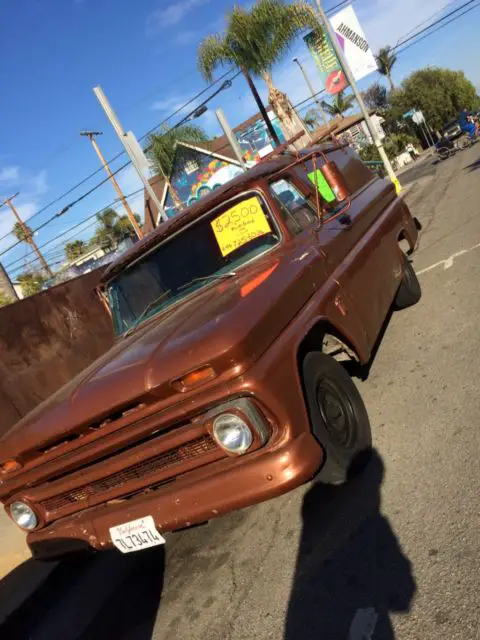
(363, 624)
(448, 262)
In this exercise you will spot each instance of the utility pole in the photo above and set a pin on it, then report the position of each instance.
(132, 147)
(91, 135)
(349, 75)
(312, 91)
(28, 234)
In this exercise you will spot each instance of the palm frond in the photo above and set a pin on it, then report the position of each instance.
(385, 58)
(162, 146)
(256, 40)
(212, 52)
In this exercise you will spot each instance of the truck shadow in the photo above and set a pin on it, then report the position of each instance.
(348, 580)
(90, 597)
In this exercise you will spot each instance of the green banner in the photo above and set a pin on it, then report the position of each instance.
(322, 51)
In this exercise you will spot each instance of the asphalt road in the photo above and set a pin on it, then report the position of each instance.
(394, 554)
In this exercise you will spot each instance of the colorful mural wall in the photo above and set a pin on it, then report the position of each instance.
(197, 173)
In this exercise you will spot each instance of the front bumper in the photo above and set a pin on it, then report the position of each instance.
(198, 497)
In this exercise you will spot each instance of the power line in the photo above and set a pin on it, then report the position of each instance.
(427, 28)
(120, 153)
(426, 35)
(94, 188)
(79, 224)
(434, 15)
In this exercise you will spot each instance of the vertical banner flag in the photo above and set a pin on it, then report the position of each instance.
(322, 51)
(353, 42)
(355, 47)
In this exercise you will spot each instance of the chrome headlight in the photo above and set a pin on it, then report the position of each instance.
(232, 433)
(23, 515)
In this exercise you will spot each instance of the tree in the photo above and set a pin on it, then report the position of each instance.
(112, 229)
(31, 282)
(342, 103)
(124, 227)
(439, 93)
(386, 58)
(106, 234)
(375, 97)
(75, 249)
(394, 145)
(312, 118)
(23, 233)
(163, 147)
(254, 41)
(4, 299)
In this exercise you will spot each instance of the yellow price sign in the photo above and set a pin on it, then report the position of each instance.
(238, 225)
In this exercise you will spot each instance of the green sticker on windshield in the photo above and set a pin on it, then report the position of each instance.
(318, 179)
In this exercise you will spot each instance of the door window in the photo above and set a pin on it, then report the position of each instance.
(297, 213)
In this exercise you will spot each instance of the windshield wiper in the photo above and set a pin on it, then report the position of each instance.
(153, 303)
(214, 276)
(148, 308)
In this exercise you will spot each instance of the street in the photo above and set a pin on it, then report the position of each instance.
(393, 554)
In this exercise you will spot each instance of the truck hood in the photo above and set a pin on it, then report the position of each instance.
(227, 326)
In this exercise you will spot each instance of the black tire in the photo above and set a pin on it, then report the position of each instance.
(409, 292)
(443, 153)
(338, 418)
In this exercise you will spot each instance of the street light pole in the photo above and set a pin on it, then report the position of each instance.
(312, 91)
(349, 75)
(28, 235)
(91, 136)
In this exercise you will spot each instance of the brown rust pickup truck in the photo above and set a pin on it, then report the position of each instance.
(224, 387)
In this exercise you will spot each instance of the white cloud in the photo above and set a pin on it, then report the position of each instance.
(172, 102)
(38, 183)
(171, 15)
(9, 174)
(27, 210)
(188, 36)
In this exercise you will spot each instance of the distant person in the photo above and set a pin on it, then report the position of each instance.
(467, 123)
(412, 151)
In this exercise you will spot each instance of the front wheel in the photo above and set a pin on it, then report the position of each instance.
(409, 292)
(338, 417)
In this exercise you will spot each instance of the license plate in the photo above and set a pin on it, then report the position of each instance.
(136, 535)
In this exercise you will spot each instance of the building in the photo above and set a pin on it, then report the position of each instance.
(199, 169)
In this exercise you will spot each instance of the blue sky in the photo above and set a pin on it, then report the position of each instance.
(143, 55)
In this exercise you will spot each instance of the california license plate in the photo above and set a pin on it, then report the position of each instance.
(136, 535)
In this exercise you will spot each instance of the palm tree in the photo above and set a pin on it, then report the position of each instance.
(311, 118)
(22, 232)
(386, 58)
(342, 103)
(106, 234)
(254, 41)
(75, 249)
(163, 147)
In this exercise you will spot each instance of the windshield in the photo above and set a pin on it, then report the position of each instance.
(214, 246)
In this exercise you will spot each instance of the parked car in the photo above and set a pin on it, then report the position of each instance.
(225, 386)
(451, 130)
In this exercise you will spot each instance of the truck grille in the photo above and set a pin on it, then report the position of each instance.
(139, 471)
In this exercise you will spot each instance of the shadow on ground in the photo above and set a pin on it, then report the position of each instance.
(473, 166)
(351, 593)
(92, 597)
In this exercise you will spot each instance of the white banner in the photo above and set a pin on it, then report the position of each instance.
(354, 44)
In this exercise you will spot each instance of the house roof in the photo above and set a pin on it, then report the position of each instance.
(217, 146)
